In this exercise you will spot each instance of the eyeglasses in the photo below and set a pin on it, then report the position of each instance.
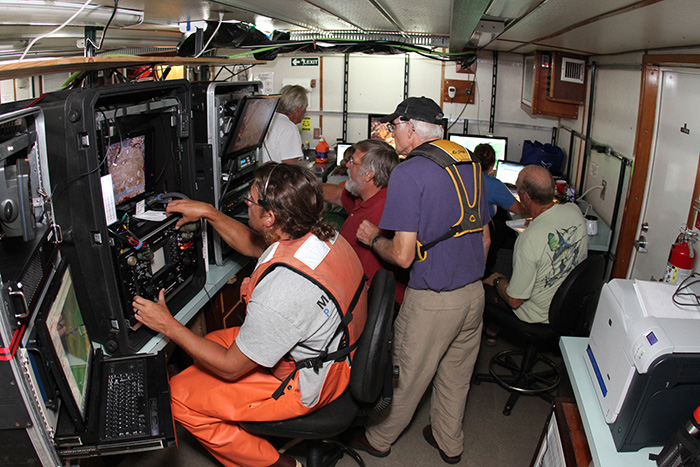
(352, 161)
(249, 200)
(391, 126)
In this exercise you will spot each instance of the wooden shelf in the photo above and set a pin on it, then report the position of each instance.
(17, 69)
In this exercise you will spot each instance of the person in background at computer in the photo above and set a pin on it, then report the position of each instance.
(499, 196)
(283, 140)
(496, 192)
(304, 269)
(438, 328)
(554, 242)
(363, 196)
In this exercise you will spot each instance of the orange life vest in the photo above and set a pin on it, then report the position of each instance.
(334, 267)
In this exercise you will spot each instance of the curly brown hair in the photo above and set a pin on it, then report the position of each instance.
(295, 196)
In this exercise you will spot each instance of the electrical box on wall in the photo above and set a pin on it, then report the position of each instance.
(538, 72)
(463, 91)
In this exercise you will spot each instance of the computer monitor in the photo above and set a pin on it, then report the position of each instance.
(126, 162)
(70, 347)
(507, 172)
(498, 143)
(340, 151)
(379, 130)
(254, 114)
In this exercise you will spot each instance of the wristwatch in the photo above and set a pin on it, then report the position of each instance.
(374, 240)
(496, 281)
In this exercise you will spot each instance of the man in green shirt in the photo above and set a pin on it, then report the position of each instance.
(554, 242)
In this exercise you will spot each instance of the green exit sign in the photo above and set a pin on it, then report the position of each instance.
(297, 61)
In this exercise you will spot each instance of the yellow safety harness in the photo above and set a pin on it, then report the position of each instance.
(449, 156)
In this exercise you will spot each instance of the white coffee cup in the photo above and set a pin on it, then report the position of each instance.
(592, 225)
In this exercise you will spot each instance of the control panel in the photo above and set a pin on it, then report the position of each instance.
(155, 256)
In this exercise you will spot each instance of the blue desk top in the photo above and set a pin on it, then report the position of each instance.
(597, 431)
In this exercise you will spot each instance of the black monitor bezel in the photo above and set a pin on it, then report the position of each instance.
(242, 105)
(487, 139)
(51, 359)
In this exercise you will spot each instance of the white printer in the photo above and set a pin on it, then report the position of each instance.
(644, 359)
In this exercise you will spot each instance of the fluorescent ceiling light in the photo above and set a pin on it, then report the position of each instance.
(48, 13)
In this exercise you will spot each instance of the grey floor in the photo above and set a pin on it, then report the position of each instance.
(491, 439)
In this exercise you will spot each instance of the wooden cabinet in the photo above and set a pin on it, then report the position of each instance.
(546, 91)
(226, 309)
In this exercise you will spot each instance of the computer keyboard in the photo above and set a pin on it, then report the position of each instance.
(126, 404)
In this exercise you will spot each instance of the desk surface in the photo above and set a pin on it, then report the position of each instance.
(597, 431)
(598, 242)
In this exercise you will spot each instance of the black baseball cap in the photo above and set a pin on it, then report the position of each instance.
(417, 108)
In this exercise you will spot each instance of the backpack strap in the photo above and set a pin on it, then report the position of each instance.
(344, 349)
(449, 155)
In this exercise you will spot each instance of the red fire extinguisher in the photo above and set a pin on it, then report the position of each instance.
(681, 258)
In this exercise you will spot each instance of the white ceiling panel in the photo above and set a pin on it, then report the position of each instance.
(553, 16)
(586, 26)
(639, 29)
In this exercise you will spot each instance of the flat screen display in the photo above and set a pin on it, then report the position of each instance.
(126, 162)
(498, 143)
(340, 151)
(507, 172)
(69, 339)
(253, 118)
(379, 130)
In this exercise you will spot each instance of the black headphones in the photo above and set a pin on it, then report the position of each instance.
(263, 200)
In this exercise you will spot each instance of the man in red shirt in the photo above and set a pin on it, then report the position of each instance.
(363, 197)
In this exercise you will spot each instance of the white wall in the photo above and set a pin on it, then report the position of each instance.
(375, 86)
(614, 123)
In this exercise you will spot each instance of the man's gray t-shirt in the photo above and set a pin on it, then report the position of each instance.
(285, 310)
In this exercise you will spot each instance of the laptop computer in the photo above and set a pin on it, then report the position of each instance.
(507, 172)
(107, 405)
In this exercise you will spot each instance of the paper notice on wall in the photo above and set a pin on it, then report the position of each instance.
(267, 78)
(306, 124)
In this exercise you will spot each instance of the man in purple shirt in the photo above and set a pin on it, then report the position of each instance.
(438, 329)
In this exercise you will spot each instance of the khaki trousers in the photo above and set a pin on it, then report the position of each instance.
(437, 337)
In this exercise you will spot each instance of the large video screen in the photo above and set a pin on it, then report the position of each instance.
(126, 162)
(252, 122)
(498, 143)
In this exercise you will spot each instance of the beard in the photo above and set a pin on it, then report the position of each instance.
(352, 187)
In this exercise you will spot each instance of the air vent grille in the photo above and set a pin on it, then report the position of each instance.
(573, 70)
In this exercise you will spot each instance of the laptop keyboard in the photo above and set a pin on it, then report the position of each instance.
(127, 411)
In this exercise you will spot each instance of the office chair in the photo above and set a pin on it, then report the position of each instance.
(525, 371)
(369, 391)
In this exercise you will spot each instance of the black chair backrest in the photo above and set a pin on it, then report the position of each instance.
(574, 304)
(372, 354)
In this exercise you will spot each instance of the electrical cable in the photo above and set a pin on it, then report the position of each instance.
(684, 292)
(34, 41)
(204, 49)
(104, 31)
(589, 190)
